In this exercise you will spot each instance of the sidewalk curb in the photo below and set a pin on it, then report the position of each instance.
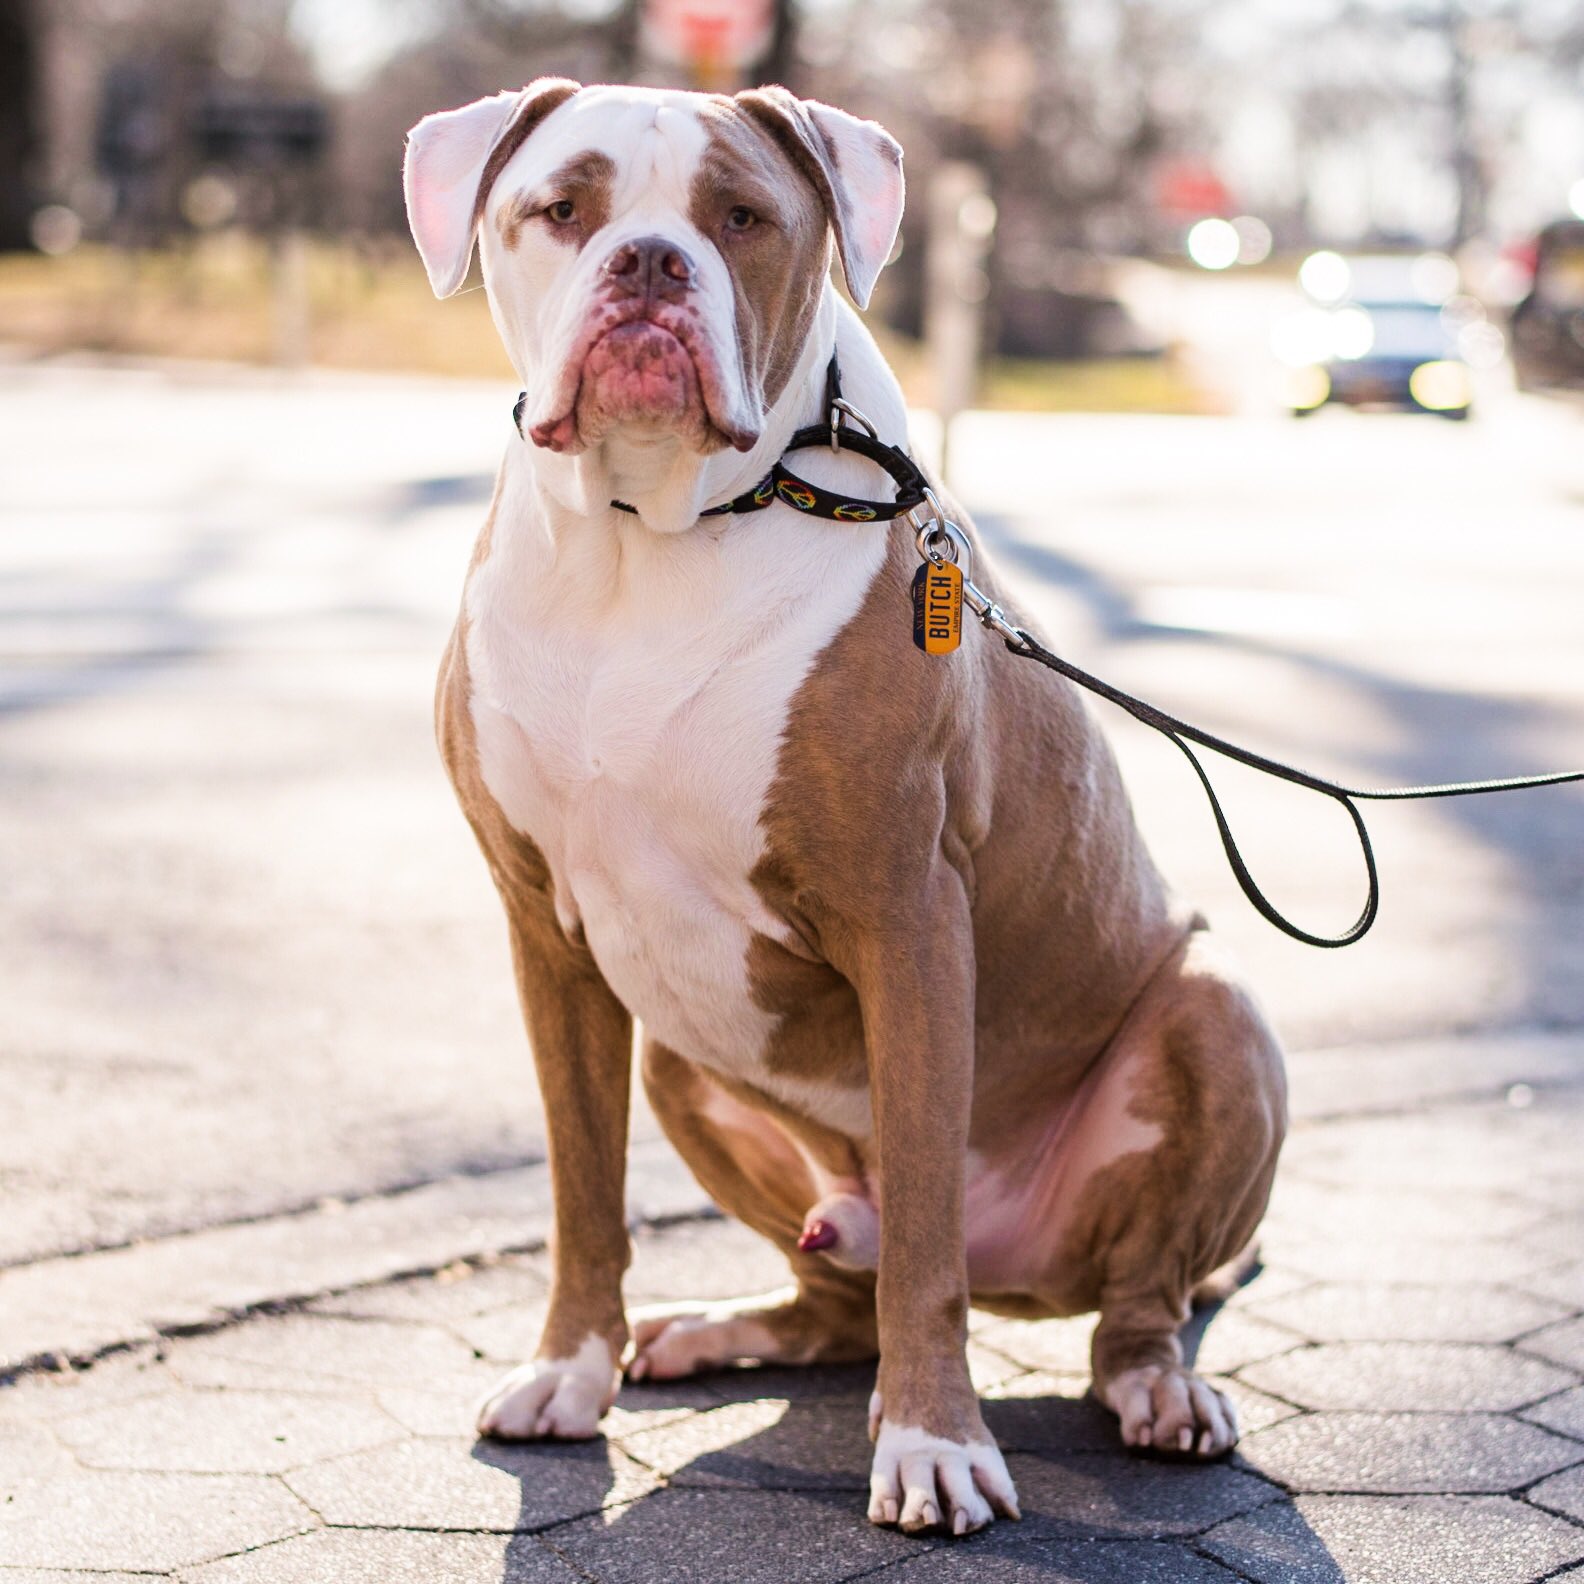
(82, 1306)
(79, 1307)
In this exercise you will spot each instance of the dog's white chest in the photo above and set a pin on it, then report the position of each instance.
(629, 699)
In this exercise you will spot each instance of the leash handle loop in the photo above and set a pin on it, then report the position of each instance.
(1182, 735)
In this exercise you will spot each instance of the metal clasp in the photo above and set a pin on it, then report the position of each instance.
(937, 534)
(935, 529)
(841, 408)
(991, 614)
(942, 540)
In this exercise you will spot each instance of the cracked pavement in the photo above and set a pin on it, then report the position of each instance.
(1408, 1365)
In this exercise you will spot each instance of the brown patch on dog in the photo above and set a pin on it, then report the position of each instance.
(786, 120)
(779, 265)
(540, 98)
(1028, 805)
(587, 179)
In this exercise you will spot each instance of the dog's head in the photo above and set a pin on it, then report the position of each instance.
(653, 259)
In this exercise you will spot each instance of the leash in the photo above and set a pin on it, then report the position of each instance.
(944, 584)
(1181, 733)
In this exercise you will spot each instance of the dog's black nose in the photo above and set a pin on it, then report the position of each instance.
(650, 267)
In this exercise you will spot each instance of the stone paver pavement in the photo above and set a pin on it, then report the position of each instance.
(1409, 1366)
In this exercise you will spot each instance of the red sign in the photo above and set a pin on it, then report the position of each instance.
(709, 35)
(1190, 187)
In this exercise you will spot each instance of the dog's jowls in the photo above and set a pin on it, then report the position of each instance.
(914, 1001)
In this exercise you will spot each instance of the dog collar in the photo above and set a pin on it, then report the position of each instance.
(845, 430)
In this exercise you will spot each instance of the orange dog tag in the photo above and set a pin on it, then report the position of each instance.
(937, 607)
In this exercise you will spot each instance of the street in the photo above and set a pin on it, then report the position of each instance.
(254, 964)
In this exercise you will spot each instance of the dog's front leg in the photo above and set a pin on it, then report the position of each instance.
(582, 1045)
(935, 1462)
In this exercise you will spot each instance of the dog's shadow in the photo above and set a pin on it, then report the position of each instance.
(763, 1474)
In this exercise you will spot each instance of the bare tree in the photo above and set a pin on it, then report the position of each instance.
(1427, 75)
(19, 125)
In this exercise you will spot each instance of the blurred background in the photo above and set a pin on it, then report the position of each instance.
(1187, 292)
(219, 178)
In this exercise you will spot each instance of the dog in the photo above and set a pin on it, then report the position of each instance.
(914, 1002)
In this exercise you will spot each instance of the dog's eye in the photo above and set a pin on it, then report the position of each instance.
(741, 218)
(562, 211)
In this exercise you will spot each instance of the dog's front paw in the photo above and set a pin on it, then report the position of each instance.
(922, 1481)
(559, 1398)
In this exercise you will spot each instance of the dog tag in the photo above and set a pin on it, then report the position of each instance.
(937, 607)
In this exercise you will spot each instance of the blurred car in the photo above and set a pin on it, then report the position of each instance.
(1385, 332)
(1548, 325)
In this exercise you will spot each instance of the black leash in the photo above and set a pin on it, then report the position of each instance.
(913, 493)
(1181, 733)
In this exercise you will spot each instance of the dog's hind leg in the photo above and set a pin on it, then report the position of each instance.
(754, 1170)
(1205, 1068)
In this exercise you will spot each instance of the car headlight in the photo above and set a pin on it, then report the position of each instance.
(1308, 387)
(1441, 386)
(1352, 333)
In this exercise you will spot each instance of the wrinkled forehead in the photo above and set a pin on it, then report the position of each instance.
(654, 139)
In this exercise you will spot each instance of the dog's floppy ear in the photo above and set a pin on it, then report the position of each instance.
(856, 167)
(452, 161)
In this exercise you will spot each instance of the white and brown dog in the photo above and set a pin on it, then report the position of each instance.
(915, 1004)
